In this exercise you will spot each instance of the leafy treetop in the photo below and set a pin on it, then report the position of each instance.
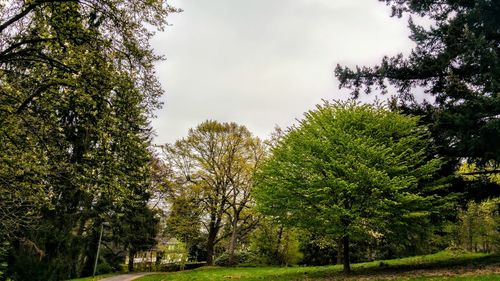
(349, 170)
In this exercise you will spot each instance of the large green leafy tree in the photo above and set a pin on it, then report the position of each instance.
(77, 87)
(455, 66)
(350, 170)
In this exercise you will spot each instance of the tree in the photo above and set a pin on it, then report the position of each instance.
(184, 221)
(51, 51)
(347, 170)
(215, 161)
(456, 62)
(137, 231)
(240, 198)
(77, 87)
(478, 226)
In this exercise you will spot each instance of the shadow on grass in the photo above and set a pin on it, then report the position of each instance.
(386, 269)
(440, 264)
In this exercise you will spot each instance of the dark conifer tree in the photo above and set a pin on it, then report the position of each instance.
(457, 62)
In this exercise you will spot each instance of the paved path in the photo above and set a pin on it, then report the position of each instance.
(126, 277)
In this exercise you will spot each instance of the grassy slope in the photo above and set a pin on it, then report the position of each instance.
(440, 265)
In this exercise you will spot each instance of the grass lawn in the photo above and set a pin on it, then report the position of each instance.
(441, 266)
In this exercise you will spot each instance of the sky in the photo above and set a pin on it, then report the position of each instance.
(264, 63)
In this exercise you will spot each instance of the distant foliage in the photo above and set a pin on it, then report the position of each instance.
(319, 250)
(273, 244)
(184, 222)
(173, 252)
(479, 226)
(471, 172)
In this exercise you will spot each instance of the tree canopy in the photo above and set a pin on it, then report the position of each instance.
(350, 170)
(77, 86)
(216, 161)
(456, 63)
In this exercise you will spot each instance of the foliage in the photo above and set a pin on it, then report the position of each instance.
(77, 86)
(136, 230)
(175, 252)
(319, 250)
(184, 222)
(4, 247)
(103, 267)
(479, 225)
(456, 62)
(239, 258)
(470, 172)
(273, 244)
(215, 163)
(348, 170)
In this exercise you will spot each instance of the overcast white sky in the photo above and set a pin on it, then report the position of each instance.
(262, 63)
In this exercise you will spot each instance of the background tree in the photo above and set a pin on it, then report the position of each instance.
(347, 170)
(137, 230)
(214, 161)
(240, 198)
(184, 221)
(478, 227)
(275, 244)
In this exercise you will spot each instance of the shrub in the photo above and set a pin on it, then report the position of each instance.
(103, 267)
(239, 257)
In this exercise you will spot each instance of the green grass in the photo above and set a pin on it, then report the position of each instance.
(489, 277)
(443, 263)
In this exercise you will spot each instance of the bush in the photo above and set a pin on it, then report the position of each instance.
(239, 257)
(103, 267)
(115, 260)
(171, 267)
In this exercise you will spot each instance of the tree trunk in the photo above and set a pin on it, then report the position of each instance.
(469, 233)
(131, 256)
(347, 264)
(232, 244)
(339, 251)
(285, 248)
(212, 234)
(210, 252)
(278, 245)
(80, 258)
